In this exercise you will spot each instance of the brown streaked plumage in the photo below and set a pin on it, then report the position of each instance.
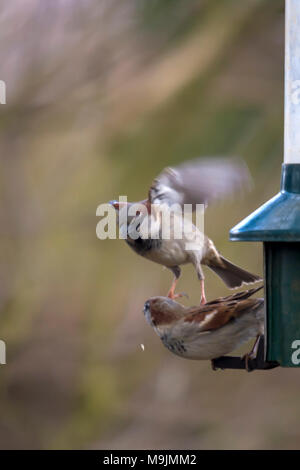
(195, 182)
(207, 331)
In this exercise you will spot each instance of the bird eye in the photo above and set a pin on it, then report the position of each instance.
(146, 306)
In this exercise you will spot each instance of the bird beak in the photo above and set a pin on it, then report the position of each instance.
(117, 204)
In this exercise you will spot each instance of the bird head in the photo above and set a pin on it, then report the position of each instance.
(160, 311)
(131, 215)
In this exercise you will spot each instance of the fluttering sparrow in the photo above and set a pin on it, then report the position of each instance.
(207, 331)
(196, 182)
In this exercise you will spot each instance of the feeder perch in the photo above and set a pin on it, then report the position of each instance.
(258, 363)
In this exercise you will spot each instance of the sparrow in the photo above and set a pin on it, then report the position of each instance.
(208, 331)
(199, 181)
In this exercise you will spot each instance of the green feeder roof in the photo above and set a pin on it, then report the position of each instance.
(279, 218)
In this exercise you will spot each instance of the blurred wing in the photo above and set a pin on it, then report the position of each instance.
(199, 181)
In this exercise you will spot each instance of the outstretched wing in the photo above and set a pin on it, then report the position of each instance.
(199, 181)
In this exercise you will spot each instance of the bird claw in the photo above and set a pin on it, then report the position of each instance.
(252, 354)
(177, 296)
(248, 357)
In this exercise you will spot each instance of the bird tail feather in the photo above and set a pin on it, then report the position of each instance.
(233, 275)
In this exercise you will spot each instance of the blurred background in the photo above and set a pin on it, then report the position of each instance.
(101, 95)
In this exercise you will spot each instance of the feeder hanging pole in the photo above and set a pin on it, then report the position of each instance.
(292, 82)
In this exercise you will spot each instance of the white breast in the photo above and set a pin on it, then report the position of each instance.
(186, 341)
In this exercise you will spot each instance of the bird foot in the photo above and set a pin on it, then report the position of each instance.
(173, 296)
(248, 357)
(203, 297)
(252, 354)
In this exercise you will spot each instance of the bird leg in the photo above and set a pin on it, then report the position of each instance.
(252, 354)
(203, 297)
(171, 294)
(200, 275)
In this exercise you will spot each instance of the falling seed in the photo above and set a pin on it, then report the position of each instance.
(143, 347)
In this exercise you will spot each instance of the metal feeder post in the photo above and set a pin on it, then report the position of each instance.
(277, 222)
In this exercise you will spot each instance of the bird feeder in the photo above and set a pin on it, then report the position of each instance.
(277, 222)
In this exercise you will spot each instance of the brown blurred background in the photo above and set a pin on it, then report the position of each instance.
(100, 96)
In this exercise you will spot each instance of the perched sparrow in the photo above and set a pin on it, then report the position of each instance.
(207, 331)
(195, 182)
